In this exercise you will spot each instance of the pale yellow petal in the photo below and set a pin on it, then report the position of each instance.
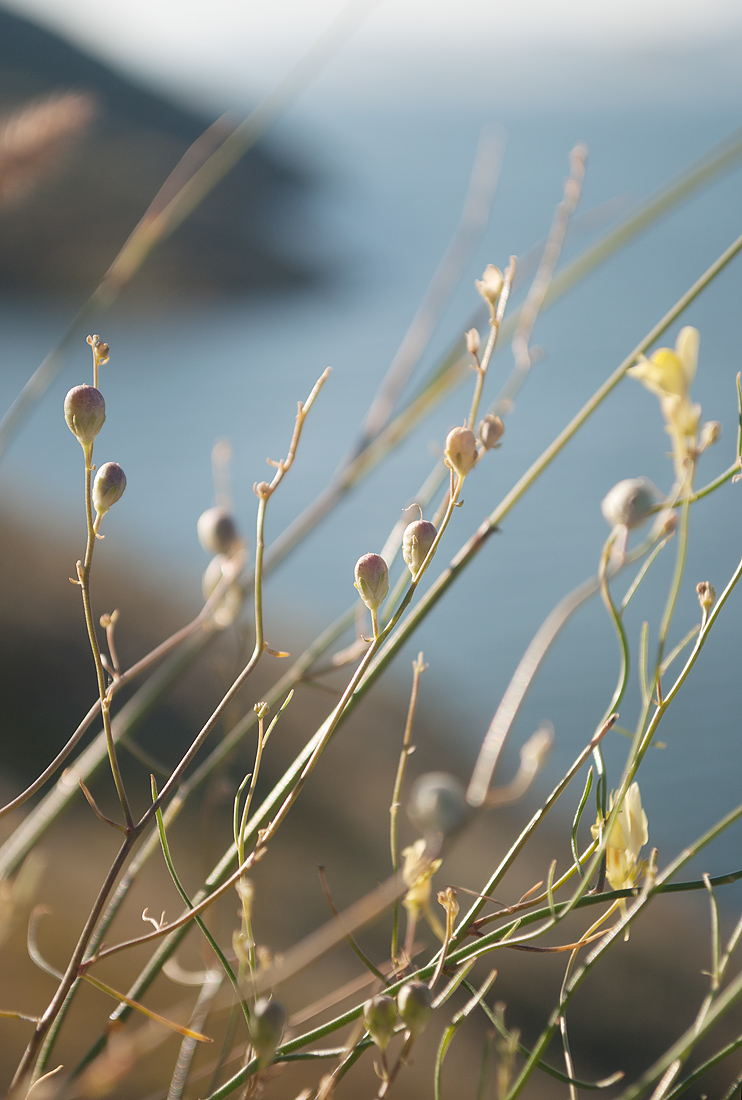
(663, 374)
(686, 348)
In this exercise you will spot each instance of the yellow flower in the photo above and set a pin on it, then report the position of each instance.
(669, 374)
(417, 871)
(627, 837)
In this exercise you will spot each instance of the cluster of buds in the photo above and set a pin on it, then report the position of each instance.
(669, 373)
(413, 1006)
(85, 414)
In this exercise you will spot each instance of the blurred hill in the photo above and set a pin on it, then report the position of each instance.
(644, 994)
(84, 150)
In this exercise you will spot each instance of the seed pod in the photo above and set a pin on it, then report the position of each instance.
(461, 450)
(108, 487)
(380, 1016)
(472, 341)
(416, 542)
(630, 502)
(372, 580)
(267, 1021)
(437, 804)
(491, 431)
(414, 1001)
(85, 413)
(217, 531)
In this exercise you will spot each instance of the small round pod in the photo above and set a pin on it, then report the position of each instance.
(630, 502)
(490, 431)
(437, 804)
(380, 1017)
(108, 487)
(372, 580)
(267, 1021)
(85, 413)
(217, 531)
(415, 1004)
(416, 542)
(461, 450)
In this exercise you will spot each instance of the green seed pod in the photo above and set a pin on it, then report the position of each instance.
(491, 431)
(418, 538)
(461, 450)
(380, 1016)
(85, 412)
(267, 1021)
(217, 531)
(372, 580)
(108, 487)
(437, 804)
(415, 1003)
(630, 502)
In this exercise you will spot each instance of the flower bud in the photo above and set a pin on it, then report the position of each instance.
(267, 1021)
(490, 287)
(461, 450)
(417, 540)
(372, 580)
(630, 502)
(490, 431)
(437, 804)
(415, 1004)
(472, 341)
(710, 434)
(217, 532)
(108, 487)
(380, 1016)
(85, 412)
(101, 350)
(706, 595)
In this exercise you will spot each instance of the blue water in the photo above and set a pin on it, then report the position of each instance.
(391, 198)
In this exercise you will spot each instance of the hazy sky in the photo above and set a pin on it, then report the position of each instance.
(243, 44)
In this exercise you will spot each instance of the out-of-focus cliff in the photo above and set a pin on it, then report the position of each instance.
(84, 150)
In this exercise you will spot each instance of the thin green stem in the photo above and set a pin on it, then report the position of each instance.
(417, 670)
(677, 578)
(83, 575)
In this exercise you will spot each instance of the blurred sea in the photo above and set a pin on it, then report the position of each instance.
(392, 185)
